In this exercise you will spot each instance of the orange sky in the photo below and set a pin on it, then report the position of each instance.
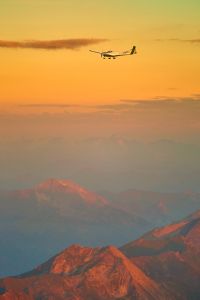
(67, 113)
(162, 67)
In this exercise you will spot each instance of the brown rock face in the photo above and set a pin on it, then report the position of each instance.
(83, 274)
(171, 255)
(162, 265)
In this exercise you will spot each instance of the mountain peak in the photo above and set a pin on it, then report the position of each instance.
(67, 261)
(56, 183)
(71, 188)
(113, 251)
(91, 273)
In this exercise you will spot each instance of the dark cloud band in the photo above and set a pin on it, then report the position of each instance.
(51, 44)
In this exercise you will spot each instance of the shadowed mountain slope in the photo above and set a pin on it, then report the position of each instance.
(171, 255)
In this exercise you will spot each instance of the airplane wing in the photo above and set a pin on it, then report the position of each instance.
(95, 51)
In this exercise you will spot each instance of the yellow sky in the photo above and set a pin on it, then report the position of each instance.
(67, 113)
(162, 67)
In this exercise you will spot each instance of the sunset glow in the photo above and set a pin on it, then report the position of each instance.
(62, 104)
(167, 63)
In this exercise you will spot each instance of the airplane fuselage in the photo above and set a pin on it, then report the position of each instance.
(114, 54)
(110, 54)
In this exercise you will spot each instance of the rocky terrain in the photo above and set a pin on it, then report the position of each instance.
(162, 264)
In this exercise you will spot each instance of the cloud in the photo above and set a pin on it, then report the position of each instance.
(116, 106)
(161, 108)
(158, 102)
(191, 41)
(71, 44)
(162, 101)
(194, 41)
(46, 105)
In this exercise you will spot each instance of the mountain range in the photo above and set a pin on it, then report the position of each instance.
(163, 264)
(37, 222)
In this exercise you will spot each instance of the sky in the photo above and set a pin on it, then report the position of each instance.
(64, 110)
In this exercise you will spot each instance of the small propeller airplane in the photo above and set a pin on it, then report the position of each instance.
(113, 54)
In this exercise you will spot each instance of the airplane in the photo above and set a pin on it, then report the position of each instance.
(113, 54)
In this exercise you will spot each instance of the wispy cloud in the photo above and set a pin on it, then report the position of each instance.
(163, 105)
(186, 107)
(116, 106)
(46, 105)
(191, 41)
(71, 44)
(162, 101)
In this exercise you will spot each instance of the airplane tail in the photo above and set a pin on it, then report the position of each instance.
(133, 50)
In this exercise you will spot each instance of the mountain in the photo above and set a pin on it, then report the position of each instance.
(67, 199)
(35, 223)
(171, 255)
(80, 273)
(156, 207)
(48, 190)
(163, 264)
